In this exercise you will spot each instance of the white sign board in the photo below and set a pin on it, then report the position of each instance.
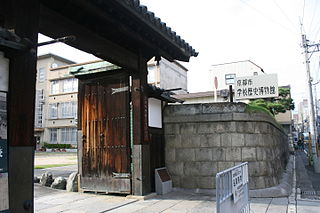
(232, 190)
(237, 184)
(258, 86)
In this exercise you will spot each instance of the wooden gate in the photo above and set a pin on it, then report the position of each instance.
(105, 123)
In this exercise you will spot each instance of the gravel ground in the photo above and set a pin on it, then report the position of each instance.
(46, 158)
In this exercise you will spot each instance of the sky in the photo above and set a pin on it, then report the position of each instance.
(267, 32)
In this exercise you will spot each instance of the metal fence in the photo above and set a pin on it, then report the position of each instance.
(232, 187)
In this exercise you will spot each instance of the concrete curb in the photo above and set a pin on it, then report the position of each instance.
(283, 189)
(292, 206)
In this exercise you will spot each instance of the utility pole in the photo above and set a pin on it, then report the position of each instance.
(313, 130)
(316, 106)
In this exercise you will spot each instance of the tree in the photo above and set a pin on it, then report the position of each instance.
(276, 105)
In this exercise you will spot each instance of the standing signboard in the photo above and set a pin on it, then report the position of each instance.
(257, 86)
(4, 189)
(232, 187)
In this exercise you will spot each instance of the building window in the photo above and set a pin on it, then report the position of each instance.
(40, 94)
(70, 85)
(53, 111)
(68, 135)
(53, 135)
(39, 108)
(39, 112)
(41, 74)
(230, 78)
(255, 73)
(68, 109)
(54, 87)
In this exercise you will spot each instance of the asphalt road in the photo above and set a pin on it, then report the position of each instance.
(307, 180)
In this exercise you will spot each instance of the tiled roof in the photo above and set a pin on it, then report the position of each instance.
(155, 22)
(162, 94)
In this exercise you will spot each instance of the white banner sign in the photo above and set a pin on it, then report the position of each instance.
(237, 184)
(258, 86)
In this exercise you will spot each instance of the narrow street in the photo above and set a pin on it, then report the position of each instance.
(307, 180)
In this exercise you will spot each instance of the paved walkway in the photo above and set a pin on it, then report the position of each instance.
(307, 180)
(49, 200)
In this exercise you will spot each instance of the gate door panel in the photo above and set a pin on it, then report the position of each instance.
(105, 127)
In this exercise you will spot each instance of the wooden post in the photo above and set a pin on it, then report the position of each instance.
(141, 149)
(22, 16)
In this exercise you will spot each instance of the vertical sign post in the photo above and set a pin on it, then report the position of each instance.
(216, 88)
(4, 188)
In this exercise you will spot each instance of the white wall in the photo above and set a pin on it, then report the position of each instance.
(155, 113)
(167, 75)
(173, 76)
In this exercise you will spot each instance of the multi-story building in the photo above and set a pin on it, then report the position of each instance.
(57, 89)
(303, 116)
(45, 86)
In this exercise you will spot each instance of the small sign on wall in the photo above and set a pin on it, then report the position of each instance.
(3, 156)
(163, 181)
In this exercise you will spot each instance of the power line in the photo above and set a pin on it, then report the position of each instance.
(284, 14)
(267, 17)
(304, 5)
(313, 15)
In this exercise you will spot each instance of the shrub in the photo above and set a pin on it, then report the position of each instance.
(57, 146)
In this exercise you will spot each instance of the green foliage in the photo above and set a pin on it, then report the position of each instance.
(57, 146)
(255, 108)
(276, 105)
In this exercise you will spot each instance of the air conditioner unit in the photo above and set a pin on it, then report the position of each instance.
(224, 93)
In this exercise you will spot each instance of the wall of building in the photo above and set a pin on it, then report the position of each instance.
(240, 69)
(168, 75)
(203, 139)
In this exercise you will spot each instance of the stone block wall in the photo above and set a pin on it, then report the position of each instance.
(203, 139)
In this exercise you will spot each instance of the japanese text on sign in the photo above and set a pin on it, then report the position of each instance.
(261, 86)
(237, 184)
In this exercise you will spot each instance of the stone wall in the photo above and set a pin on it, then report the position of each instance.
(203, 139)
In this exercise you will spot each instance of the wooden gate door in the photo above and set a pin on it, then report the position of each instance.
(105, 124)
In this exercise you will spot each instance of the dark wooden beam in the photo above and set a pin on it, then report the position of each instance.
(139, 84)
(22, 17)
(56, 25)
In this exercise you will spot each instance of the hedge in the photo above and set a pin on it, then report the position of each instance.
(57, 146)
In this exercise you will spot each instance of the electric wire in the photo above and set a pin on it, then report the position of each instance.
(267, 17)
(303, 8)
(313, 15)
(284, 14)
